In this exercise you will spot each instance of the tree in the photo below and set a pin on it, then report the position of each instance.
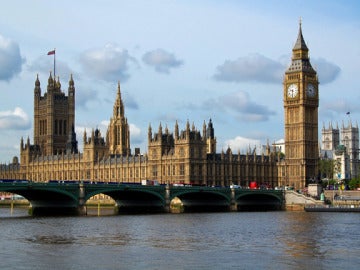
(354, 183)
(326, 168)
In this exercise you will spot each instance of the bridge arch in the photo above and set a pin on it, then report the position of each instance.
(258, 201)
(132, 199)
(201, 200)
(45, 199)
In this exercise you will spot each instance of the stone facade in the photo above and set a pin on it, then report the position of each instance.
(301, 102)
(186, 156)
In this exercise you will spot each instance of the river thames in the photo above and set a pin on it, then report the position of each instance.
(243, 240)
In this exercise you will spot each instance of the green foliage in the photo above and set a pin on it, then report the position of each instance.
(354, 183)
(326, 168)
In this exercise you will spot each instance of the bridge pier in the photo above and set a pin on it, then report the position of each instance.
(167, 199)
(233, 203)
(82, 210)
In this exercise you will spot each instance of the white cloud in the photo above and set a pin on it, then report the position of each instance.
(110, 63)
(239, 102)
(16, 119)
(254, 67)
(134, 130)
(136, 136)
(242, 144)
(258, 68)
(45, 64)
(10, 59)
(83, 98)
(161, 60)
(327, 72)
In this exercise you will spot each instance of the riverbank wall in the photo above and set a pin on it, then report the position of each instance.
(295, 201)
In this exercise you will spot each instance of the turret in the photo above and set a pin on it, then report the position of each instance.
(210, 138)
(37, 89)
(149, 133)
(50, 85)
(176, 130)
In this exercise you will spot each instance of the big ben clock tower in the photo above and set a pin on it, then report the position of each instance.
(301, 102)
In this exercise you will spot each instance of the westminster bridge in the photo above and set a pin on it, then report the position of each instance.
(70, 197)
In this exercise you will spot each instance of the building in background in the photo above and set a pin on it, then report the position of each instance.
(341, 146)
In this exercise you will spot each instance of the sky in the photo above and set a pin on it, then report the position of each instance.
(176, 61)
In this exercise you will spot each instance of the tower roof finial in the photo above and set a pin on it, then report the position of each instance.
(300, 42)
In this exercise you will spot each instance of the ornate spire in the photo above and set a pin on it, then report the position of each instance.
(71, 82)
(50, 85)
(160, 128)
(300, 42)
(149, 132)
(37, 82)
(176, 130)
(300, 56)
(58, 84)
(84, 136)
(37, 89)
(118, 105)
(187, 126)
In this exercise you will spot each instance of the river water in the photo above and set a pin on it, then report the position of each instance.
(243, 240)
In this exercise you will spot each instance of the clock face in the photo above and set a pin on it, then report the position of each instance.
(292, 90)
(310, 90)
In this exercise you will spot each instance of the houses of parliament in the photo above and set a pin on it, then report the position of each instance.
(184, 155)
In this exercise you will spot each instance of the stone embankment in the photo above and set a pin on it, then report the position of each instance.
(295, 201)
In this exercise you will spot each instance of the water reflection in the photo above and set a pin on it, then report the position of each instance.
(262, 240)
(51, 239)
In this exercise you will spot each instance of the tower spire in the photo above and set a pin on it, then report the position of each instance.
(300, 60)
(300, 42)
(119, 132)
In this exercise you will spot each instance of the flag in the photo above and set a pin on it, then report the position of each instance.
(348, 113)
(51, 52)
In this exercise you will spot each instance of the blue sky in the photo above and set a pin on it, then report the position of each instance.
(176, 60)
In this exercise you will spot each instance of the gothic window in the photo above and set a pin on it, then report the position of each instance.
(143, 171)
(192, 169)
(154, 171)
(60, 127)
(182, 169)
(153, 153)
(181, 152)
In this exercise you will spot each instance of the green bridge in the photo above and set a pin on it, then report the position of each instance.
(70, 198)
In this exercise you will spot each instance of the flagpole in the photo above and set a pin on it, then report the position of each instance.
(54, 64)
(53, 53)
